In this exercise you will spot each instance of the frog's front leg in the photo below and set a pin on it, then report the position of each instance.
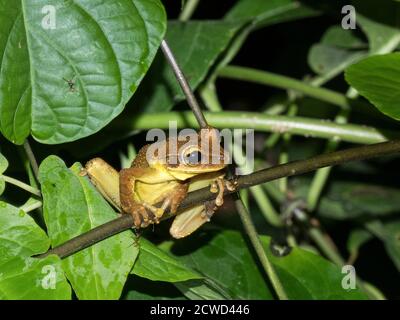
(143, 213)
(218, 186)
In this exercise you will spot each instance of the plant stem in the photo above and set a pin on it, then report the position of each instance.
(283, 82)
(32, 159)
(258, 247)
(266, 207)
(308, 127)
(22, 185)
(284, 155)
(209, 95)
(188, 10)
(200, 196)
(31, 206)
(190, 98)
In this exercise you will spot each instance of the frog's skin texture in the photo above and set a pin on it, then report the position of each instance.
(164, 173)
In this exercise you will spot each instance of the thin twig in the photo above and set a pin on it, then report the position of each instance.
(22, 185)
(188, 10)
(191, 99)
(258, 247)
(32, 159)
(200, 196)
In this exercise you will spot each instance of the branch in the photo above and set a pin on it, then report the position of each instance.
(22, 185)
(200, 196)
(258, 247)
(180, 77)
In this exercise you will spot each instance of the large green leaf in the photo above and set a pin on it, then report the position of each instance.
(378, 78)
(157, 265)
(225, 258)
(104, 47)
(73, 206)
(196, 45)
(23, 277)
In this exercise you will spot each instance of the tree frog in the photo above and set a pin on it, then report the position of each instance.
(164, 172)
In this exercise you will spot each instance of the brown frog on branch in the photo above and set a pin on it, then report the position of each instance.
(163, 173)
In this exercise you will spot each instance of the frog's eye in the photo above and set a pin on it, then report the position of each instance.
(192, 158)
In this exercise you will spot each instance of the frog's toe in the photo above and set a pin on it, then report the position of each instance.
(156, 212)
(141, 217)
(218, 186)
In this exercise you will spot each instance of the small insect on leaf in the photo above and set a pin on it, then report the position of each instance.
(71, 84)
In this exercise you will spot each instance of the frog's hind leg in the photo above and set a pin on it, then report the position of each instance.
(190, 220)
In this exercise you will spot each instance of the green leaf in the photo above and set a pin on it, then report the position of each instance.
(357, 238)
(389, 234)
(349, 200)
(3, 167)
(34, 279)
(71, 207)
(224, 260)
(142, 289)
(20, 235)
(335, 52)
(263, 13)
(380, 26)
(2, 185)
(202, 290)
(324, 59)
(157, 265)
(305, 275)
(104, 47)
(22, 277)
(378, 78)
(338, 37)
(196, 46)
(259, 13)
(3, 164)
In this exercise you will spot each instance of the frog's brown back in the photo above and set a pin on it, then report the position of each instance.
(140, 160)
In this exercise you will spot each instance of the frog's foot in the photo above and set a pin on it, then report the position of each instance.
(157, 212)
(142, 214)
(231, 185)
(218, 186)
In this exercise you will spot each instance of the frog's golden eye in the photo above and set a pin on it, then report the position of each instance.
(192, 158)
